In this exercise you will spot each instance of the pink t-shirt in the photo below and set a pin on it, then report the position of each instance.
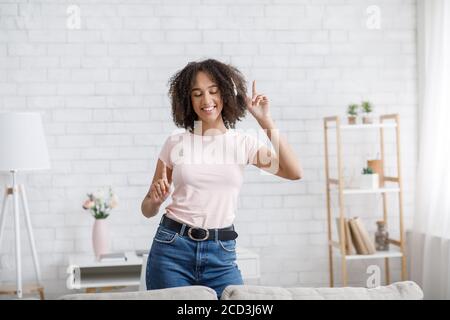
(207, 175)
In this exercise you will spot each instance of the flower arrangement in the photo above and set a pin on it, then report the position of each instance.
(100, 203)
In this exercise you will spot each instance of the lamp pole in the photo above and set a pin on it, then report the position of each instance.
(14, 192)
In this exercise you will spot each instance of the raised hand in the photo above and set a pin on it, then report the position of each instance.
(160, 189)
(258, 104)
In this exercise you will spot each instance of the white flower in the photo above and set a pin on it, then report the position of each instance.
(99, 194)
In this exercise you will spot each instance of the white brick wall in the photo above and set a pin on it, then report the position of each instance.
(103, 95)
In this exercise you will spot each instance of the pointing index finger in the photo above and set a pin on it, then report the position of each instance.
(254, 89)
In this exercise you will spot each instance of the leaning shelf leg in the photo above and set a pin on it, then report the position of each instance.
(327, 177)
(330, 260)
(404, 272)
(344, 272)
(386, 269)
(41, 293)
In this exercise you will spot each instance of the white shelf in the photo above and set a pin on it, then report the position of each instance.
(341, 187)
(392, 253)
(366, 191)
(248, 262)
(89, 261)
(334, 188)
(123, 281)
(85, 272)
(364, 126)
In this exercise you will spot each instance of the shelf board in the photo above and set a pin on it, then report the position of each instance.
(89, 261)
(366, 191)
(392, 253)
(123, 281)
(378, 190)
(364, 126)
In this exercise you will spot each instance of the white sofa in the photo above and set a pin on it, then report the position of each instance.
(405, 290)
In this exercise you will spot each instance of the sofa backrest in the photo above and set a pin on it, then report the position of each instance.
(179, 293)
(406, 290)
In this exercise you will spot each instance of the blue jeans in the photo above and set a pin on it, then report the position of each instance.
(176, 261)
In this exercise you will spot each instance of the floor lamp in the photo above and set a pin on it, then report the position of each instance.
(22, 148)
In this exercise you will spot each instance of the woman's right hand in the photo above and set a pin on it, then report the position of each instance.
(160, 189)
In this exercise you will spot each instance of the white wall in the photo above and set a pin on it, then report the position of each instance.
(102, 92)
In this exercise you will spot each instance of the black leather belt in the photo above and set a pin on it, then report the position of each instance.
(198, 234)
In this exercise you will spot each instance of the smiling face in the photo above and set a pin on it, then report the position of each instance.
(206, 100)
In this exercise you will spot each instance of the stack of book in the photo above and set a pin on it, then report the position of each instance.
(357, 239)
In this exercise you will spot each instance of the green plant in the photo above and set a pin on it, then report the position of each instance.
(352, 109)
(366, 107)
(367, 170)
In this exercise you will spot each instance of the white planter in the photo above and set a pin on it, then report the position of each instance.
(369, 181)
(367, 120)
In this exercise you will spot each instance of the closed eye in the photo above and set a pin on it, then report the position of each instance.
(197, 92)
(210, 92)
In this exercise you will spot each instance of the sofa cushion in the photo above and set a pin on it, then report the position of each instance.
(406, 290)
(178, 293)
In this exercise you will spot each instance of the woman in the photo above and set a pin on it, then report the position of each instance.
(195, 241)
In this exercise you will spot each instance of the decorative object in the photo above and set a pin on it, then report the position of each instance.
(367, 108)
(352, 113)
(381, 237)
(100, 205)
(100, 238)
(369, 179)
(377, 166)
(22, 148)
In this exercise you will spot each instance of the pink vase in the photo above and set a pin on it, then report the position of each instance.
(100, 237)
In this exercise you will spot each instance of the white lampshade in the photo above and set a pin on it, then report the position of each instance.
(22, 142)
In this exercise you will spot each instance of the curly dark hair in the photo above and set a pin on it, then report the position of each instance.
(182, 82)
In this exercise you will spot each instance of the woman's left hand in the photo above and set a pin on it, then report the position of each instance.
(258, 104)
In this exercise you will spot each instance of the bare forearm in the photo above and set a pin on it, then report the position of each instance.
(148, 208)
(288, 161)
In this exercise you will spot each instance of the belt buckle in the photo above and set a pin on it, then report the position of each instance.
(195, 239)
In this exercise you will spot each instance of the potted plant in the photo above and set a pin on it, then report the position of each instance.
(367, 109)
(352, 112)
(369, 179)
